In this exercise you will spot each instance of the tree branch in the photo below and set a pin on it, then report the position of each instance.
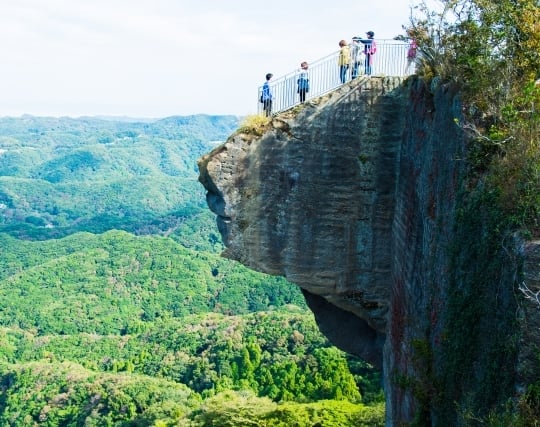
(530, 295)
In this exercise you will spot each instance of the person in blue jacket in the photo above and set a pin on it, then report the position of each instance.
(266, 96)
(303, 81)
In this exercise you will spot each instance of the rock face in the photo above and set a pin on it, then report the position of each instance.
(353, 197)
(313, 200)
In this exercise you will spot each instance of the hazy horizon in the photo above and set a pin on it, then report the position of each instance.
(161, 58)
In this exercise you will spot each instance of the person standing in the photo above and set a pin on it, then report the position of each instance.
(344, 60)
(411, 56)
(303, 81)
(370, 48)
(357, 56)
(266, 96)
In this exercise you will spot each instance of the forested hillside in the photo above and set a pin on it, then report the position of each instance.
(62, 175)
(116, 308)
(102, 315)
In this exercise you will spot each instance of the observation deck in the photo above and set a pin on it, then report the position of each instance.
(390, 59)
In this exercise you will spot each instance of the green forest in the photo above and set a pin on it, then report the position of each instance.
(61, 176)
(116, 308)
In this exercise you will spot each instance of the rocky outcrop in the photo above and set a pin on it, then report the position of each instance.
(313, 200)
(356, 198)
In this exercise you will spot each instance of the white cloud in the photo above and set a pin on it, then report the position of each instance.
(154, 58)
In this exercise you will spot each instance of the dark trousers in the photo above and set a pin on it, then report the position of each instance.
(368, 64)
(343, 72)
(267, 107)
(356, 67)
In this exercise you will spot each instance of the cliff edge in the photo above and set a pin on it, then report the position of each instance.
(358, 198)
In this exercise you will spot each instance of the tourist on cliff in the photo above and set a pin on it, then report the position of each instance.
(303, 81)
(344, 60)
(411, 56)
(357, 56)
(266, 96)
(370, 47)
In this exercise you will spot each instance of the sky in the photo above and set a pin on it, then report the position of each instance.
(161, 58)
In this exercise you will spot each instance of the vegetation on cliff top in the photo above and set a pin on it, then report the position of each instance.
(491, 49)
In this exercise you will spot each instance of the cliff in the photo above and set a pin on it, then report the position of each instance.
(358, 198)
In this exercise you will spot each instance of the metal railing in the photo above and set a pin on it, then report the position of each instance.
(324, 75)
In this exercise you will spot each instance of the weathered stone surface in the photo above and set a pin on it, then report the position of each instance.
(313, 199)
(354, 198)
(528, 366)
(432, 153)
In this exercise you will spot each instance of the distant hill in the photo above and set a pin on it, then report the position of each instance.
(59, 176)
